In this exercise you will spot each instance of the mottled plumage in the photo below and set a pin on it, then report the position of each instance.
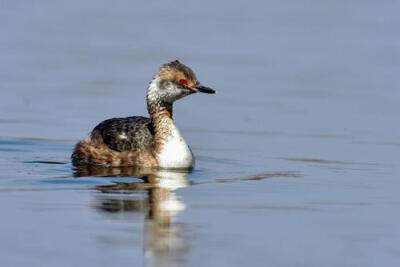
(125, 134)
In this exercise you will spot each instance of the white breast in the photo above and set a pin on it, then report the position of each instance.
(175, 153)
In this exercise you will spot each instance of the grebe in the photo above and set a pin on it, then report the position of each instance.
(153, 142)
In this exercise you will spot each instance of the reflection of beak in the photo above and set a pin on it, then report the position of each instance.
(202, 89)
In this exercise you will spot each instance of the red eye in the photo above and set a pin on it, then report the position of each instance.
(183, 82)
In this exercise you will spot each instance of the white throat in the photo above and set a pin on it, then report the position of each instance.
(175, 153)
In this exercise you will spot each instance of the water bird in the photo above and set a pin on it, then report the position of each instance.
(153, 142)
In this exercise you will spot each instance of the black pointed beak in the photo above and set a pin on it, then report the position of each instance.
(203, 89)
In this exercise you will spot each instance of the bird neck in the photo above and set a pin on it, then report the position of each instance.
(160, 114)
(169, 146)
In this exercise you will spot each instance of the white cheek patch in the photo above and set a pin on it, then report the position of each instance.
(170, 91)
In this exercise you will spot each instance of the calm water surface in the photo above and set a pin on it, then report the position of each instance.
(297, 154)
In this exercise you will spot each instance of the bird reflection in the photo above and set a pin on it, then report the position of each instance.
(165, 242)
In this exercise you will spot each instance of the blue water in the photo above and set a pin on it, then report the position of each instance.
(297, 155)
